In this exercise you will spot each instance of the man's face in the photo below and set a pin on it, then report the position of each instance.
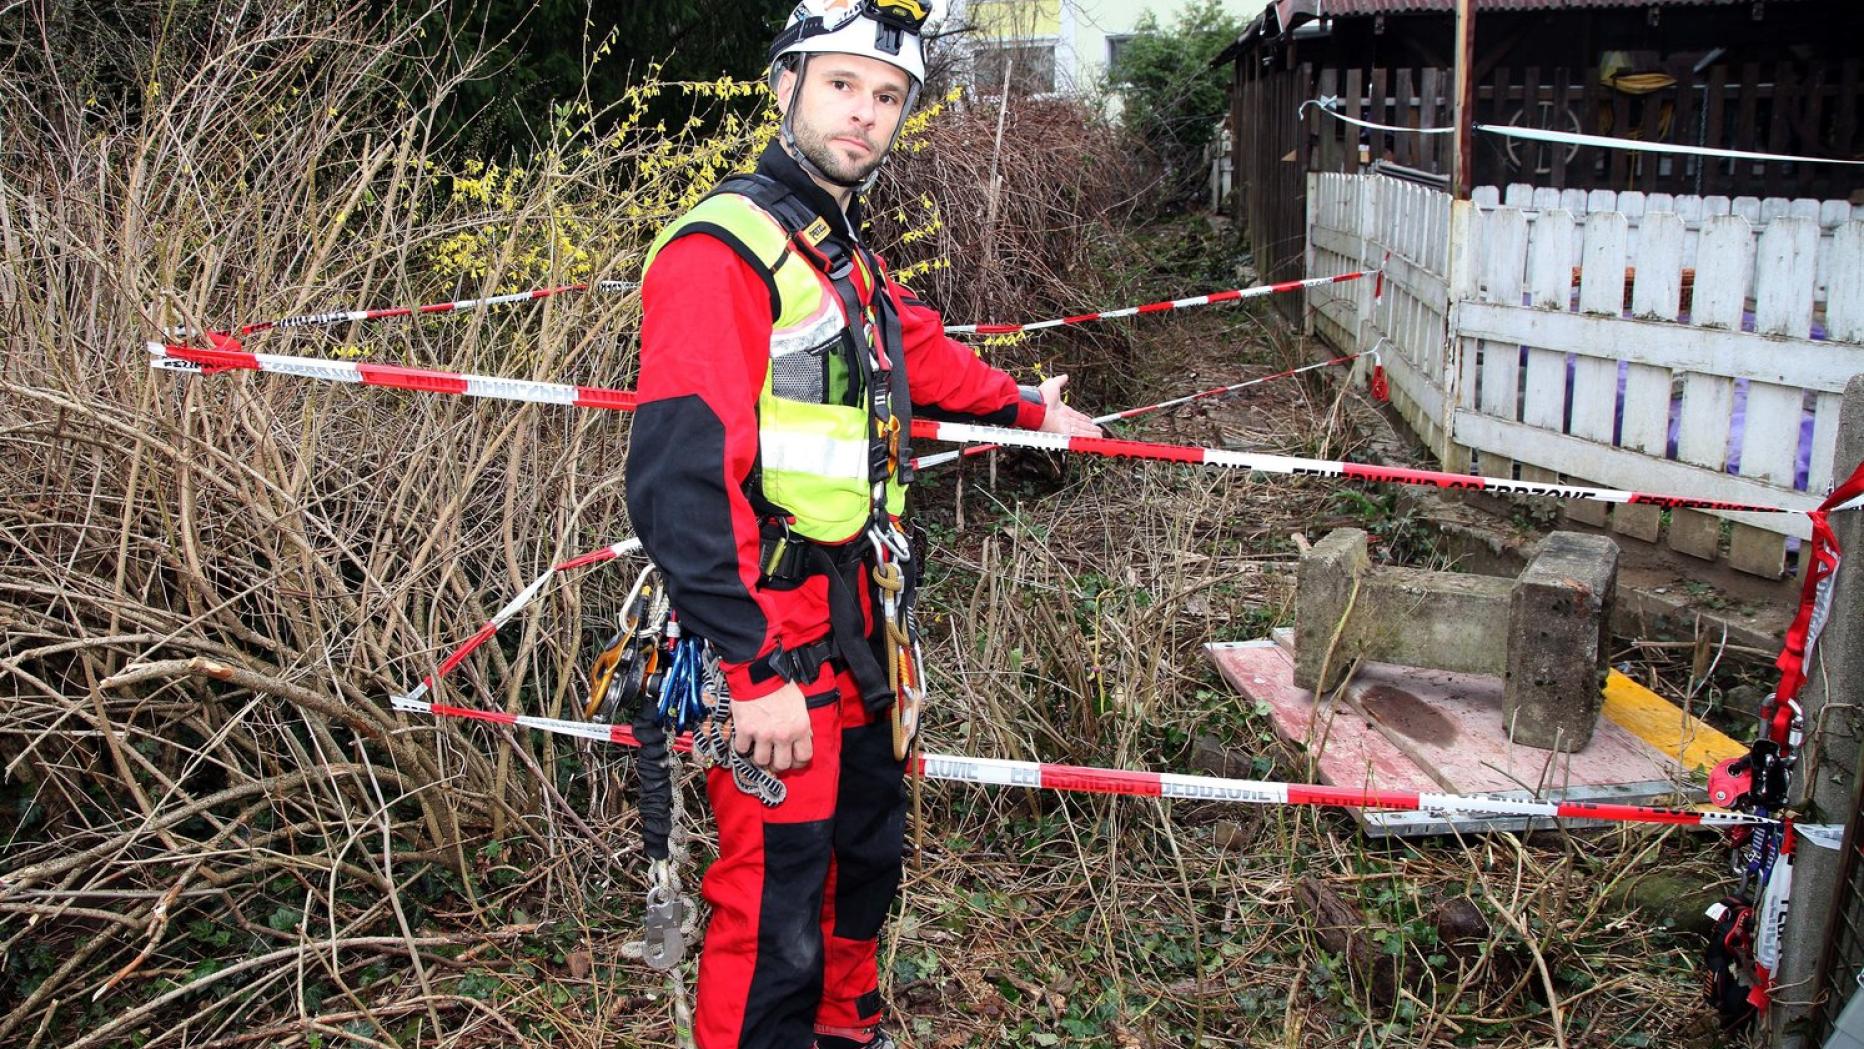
(849, 108)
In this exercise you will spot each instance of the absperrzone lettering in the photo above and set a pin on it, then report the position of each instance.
(1217, 792)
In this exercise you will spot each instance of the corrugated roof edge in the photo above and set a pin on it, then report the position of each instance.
(1283, 16)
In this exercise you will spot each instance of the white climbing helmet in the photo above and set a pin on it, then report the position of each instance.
(886, 30)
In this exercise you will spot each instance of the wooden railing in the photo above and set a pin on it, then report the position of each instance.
(1688, 345)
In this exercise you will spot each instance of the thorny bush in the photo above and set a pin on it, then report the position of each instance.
(218, 831)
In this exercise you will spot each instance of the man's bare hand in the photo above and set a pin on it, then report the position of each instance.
(774, 730)
(1060, 418)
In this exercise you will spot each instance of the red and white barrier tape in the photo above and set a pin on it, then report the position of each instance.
(186, 359)
(332, 317)
(513, 607)
(393, 376)
(1233, 295)
(925, 462)
(1328, 103)
(1295, 466)
(326, 319)
(1083, 779)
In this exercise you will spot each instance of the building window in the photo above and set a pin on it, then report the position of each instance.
(1032, 68)
(1116, 47)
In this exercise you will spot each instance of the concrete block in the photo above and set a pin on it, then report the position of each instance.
(1557, 624)
(1442, 620)
(1324, 584)
(1586, 512)
(1696, 534)
(1638, 522)
(1757, 551)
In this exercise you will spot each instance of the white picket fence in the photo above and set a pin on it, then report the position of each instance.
(1692, 346)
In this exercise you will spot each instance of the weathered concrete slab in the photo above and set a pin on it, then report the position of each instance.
(1398, 615)
(1545, 632)
(1558, 639)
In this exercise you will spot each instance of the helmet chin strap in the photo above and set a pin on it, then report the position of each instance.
(861, 185)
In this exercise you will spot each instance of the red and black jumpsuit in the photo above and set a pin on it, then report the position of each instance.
(798, 892)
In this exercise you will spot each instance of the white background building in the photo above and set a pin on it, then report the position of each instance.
(1060, 45)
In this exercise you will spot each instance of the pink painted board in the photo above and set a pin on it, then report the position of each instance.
(1356, 754)
(1452, 723)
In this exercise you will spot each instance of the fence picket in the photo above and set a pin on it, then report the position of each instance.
(1844, 296)
(1504, 245)
(1601, 291)
(1683, 262)
(1656, 294)
(1595, 379)
(1549, 282)
(1783, 278)
(1722, 265)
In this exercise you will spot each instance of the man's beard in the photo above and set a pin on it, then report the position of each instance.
(821, 152)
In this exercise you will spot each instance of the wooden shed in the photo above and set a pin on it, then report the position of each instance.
(1776, 76)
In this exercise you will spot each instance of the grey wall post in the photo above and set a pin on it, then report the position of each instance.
(1833, 678)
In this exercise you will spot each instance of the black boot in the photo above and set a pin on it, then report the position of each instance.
(880, 1041)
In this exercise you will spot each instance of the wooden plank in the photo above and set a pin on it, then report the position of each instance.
(1656, 294)
(1504, 271)
(1745, 138)
(1407, 376)
(1690, 210)
(1647, 165)
(1808, 143)
(1718, 300)
(1619, 160)
(1404, 115)
(1549, 276)
(1784, 272)
(1329, 136)
(1450, 724)
(1845, 127)
(1844, 293)
(1346, 750)
(1562, 99)
(1692, 743)
(1780, 124)
(1376, 112)
(1601, 293)
(1715, 113)
(1802, 363)
(1820, 472)
(1685, 123)
(1617, 468)
(1355, 89)
(1723, 261)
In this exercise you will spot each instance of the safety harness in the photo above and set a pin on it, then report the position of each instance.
(665, 682)
(862, 364)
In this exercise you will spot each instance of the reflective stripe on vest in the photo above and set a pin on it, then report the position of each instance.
(813, 449)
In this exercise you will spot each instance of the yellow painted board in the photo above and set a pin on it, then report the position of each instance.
(1017, 19)
(1662, 724)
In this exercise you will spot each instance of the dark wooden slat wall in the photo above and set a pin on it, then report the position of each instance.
(1773, 108)
(1271, 157)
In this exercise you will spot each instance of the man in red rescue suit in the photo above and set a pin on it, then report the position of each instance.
(766, 474)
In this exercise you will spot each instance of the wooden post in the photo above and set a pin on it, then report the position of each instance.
(1462, 152)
